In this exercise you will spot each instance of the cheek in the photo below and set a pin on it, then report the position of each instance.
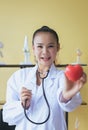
(54, 53)
(36, 53)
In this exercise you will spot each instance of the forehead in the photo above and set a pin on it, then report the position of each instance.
(44, 37)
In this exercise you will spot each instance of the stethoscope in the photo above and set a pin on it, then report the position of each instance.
(48, 106)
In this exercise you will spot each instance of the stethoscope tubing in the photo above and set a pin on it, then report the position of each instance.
(46, 100)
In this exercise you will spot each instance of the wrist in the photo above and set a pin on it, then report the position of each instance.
(63, 99)
(25, 105)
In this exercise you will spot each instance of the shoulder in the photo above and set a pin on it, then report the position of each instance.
(21, 74)
(56, 72)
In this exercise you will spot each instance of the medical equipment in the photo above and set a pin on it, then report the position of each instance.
(26, 52)
(39, 123)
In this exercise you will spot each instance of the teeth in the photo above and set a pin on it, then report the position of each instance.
(45, 58)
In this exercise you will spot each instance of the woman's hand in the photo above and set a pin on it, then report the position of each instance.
(26, 96)
(72, 88)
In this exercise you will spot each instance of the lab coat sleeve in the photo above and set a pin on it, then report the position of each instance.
(13, 110)
(73, 103)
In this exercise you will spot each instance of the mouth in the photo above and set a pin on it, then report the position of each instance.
(45, 58)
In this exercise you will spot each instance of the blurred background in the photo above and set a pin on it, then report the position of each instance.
(20, 18)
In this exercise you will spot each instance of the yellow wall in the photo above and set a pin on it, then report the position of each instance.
(80, 115)
(21, 17)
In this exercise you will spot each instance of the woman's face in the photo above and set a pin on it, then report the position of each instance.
(45, 48)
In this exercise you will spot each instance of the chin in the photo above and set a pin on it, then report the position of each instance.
(47, 64)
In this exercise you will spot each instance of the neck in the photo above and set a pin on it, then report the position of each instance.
(43, 69)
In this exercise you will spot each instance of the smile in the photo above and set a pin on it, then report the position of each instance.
(45, 59)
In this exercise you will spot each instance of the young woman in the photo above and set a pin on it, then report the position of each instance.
(43, 91)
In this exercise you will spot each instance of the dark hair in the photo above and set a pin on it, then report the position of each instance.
(46, 29)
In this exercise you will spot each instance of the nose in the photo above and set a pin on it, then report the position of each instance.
(45, 50)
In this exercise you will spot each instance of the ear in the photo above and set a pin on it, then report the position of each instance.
(58, 46)
(33, 47)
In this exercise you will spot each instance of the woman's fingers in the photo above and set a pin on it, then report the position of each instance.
(26, 96)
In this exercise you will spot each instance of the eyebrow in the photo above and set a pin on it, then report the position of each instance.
(48, 43)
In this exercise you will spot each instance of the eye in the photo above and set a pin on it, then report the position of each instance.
(50, 46)
(40, 46)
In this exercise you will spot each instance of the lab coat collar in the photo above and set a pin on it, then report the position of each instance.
(30, 82)
(31, 77)
(52, 72)
(51, 76)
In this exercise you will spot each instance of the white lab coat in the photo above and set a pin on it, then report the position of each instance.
(13, 112)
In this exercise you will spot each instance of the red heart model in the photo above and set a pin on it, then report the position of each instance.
(73, 72)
